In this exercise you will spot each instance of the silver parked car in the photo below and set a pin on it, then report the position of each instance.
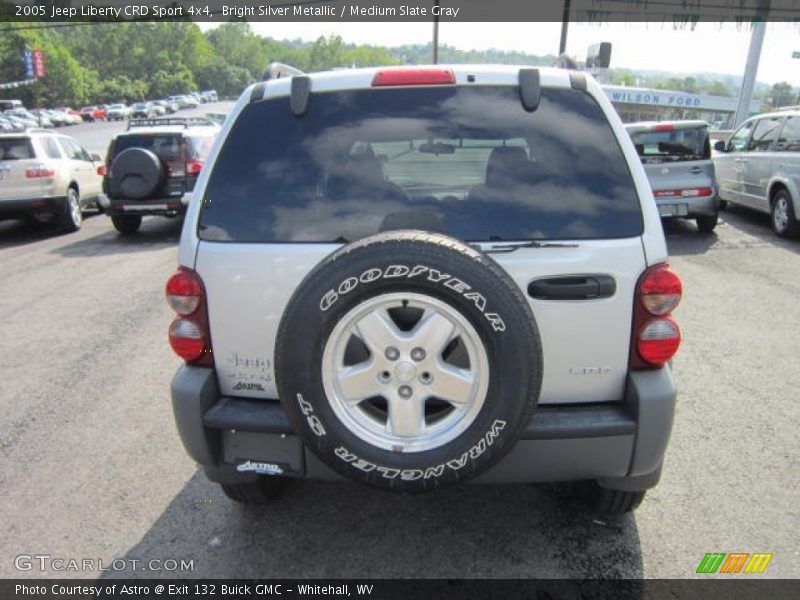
(759, 167)
(677, 160)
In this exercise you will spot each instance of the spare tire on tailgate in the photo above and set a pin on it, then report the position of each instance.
(408, 361)
(135, 173)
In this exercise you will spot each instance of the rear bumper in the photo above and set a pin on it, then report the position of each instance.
(10, 209)
(688, 207)
(170, 206)
(620, 444)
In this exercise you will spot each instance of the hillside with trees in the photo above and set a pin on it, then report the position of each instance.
(111, 62)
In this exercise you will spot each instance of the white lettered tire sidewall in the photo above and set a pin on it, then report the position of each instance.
(447, 271)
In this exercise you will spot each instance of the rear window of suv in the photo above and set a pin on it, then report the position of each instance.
(672, 145)
(466, 161)
(168, 147)
(16, 149)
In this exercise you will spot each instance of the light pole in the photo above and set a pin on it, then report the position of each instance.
(436, 34)
(750, 71)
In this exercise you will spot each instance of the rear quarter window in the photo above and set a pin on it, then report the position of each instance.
(166, 146)
(51, 148)
(466, 161)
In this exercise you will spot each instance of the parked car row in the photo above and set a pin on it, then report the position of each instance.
(758, 167)
(150, 169)
(18, 119)
(15, 117)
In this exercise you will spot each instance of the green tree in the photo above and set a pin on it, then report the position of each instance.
(782, 94)
(717, 88)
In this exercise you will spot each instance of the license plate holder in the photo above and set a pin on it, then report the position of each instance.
(673, 210)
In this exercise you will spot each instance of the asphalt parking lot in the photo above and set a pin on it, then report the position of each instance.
(91, 465)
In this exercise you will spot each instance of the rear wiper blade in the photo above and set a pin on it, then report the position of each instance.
(504, 248)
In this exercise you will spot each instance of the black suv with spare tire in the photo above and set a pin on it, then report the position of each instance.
(152, 168)
(416, 277)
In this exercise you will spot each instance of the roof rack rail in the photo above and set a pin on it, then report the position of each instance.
(181, 121)
(278, 70)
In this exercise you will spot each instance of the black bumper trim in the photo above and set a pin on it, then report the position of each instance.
(548, 422)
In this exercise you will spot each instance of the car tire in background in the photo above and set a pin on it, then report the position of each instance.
(784, 221)
(71, 216)
(127, 224)
(707, 224)
(408, 361)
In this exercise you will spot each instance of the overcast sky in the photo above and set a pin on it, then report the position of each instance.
(709, 48)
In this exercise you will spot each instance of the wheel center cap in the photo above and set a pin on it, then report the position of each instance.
(405, 372)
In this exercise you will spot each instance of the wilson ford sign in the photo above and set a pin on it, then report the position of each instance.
(619, 94)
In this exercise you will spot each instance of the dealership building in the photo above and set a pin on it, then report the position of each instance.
(644, 104)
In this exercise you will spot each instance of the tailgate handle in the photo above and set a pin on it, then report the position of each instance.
(573, 287)
(696, 170)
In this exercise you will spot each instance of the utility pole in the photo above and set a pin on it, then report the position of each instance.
(750, 71)
(436, 35)
(562, 46)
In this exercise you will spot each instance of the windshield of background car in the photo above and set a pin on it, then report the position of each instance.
(672, 145)
(15, 149)
(166, 146)
(466, 161)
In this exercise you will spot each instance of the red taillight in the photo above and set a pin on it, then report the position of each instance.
(101, 170)
(432, 76)
(39, 171)
(193, 167)
(658, 341)
(189, 333)
(187, 339)
(684, 193)
(660, 290)
(184, 292)
(655, 337)
(663, 127)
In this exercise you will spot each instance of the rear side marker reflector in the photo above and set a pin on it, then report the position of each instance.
(396, 77)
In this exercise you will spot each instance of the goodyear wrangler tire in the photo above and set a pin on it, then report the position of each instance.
(408, 361)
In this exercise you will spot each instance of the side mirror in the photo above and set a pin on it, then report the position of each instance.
(97, 158)
(720, 146)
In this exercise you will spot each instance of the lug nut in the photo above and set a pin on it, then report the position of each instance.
(425, 378)
(404, 391)
(385, 377)
(392, 353)
(417, 354)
